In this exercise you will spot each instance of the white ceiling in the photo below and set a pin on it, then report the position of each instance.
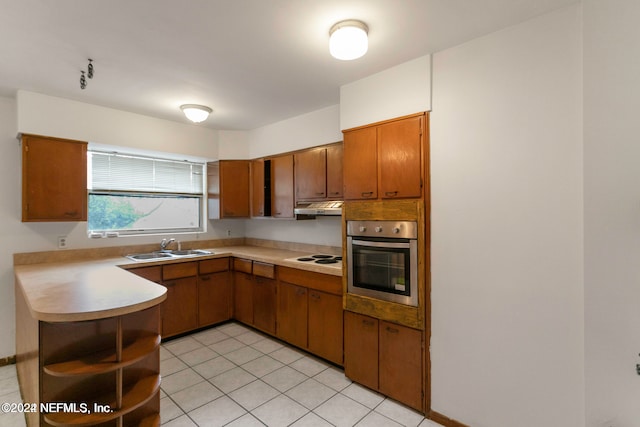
(254, 62)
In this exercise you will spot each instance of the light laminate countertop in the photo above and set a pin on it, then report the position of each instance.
(96, 289)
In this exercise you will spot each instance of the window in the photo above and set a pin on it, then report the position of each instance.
(131, 194)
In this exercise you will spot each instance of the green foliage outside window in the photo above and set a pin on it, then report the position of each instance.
(112, 212)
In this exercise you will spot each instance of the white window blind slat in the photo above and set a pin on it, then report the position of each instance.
(118, 172)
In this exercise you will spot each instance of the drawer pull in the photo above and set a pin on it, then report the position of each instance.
(367, 193)
(205, 278)
(368, 322)
(391, 193)
(392, 330)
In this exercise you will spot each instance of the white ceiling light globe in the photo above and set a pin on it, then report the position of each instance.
(196, 113)
(348, 40)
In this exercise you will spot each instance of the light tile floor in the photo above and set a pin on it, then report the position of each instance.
(233, 376)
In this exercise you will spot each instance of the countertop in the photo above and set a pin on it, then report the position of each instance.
(101, 288)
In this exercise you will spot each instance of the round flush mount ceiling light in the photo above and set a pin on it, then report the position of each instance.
(196, 113)
(348, 39)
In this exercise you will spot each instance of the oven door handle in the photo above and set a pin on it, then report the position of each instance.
(381, 244)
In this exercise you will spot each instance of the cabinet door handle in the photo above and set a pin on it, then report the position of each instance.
(301, 292)
(368, 322)
(315, 296)
(367, 193)
(205, 278)
(320, 193)
(392, 330)
(73, 213)
(169, 284)
(391, 193)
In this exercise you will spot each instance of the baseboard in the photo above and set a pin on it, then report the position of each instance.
(9, 360)
(445, 421)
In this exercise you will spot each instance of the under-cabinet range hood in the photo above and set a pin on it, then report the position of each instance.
(307, 210)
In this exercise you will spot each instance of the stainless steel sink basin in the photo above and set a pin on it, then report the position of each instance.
(188, 252)
(150, 256)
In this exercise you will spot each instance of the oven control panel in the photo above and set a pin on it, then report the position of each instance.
(392, 229)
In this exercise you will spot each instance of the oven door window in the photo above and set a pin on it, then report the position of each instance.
(382, 266)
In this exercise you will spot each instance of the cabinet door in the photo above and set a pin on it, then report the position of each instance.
(179, 310)
(243, 297)
(54, 179)
(325, 325)
(401, 364)
(234, 188)
(264, 304)
(400, 158)
(292, 314)
(282, 186)
(360, 164)
(361, 349)
(334, 171)
(215, 295)
(311, 174)
(257, 188)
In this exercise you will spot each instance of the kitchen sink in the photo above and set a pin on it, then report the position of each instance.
(157, 255)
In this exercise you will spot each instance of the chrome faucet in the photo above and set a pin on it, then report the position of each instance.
(165, 243)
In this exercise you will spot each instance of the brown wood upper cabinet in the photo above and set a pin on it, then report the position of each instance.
(385, 160)
(282, 186)
(228, 189)
(54, 179)
(318, 173)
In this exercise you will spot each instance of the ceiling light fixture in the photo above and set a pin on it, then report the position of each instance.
(196, 113)
(348, 39)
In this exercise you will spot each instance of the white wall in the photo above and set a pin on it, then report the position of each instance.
(398, 91)
(307, 130)
(47, 115)
(612, 211)
(507, 261)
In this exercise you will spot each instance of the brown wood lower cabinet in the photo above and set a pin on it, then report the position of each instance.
(180, 309)
(385, 357)
(310, 312)
(254, 290)
(215, 291)
(199, 293)
(292, 314)
(303, 308)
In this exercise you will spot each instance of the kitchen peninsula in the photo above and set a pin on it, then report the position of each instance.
(89, 330)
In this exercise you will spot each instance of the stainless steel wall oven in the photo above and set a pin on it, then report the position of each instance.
(382, 260)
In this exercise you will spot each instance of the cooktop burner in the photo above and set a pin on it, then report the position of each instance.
(326, 261)
(320, 259)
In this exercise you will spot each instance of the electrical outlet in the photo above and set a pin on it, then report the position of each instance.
(638, 368)
(62, 242)
(228, 232)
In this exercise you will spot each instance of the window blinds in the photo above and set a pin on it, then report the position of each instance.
(120, 172)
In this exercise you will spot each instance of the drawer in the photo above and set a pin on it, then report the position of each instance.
(150, 273)
(183, 269)
(263, 269)
(213, 265)
(244, 265)
(310, 279)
